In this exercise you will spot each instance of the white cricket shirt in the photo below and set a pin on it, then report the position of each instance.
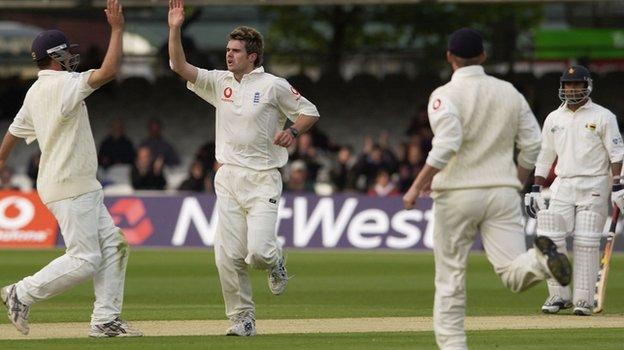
(586, 141)
(249, 114)
(55, 114)
(477, 120)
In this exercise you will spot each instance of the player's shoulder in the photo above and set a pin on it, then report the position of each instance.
(602, 110)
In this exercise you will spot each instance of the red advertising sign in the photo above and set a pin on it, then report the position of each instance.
(25, 222)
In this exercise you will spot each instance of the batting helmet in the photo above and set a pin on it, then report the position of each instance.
(54, 44)
(575, 74)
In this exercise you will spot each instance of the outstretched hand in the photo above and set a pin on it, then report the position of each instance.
(176, 13)
(114, 14)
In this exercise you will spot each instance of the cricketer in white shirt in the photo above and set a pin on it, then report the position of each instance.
(251, 109)
(477, 120)
(586, 143)
(55, 114)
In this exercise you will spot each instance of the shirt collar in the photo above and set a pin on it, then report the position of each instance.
(48, 72)
(587, 105)
(468, 71)
(255, 71)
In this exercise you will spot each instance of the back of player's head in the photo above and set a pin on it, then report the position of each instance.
(53, 44)
(254, 43)
(465, 43)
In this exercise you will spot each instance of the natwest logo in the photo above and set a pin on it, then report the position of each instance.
(131, 215)
(25, 221)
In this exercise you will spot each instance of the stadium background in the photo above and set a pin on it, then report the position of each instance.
(369, 67)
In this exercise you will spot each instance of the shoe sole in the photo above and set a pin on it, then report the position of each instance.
(579, 312)
(558, 263)
(550, 311)
(122, 335)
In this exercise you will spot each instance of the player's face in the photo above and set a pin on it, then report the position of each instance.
(569, 87)
(236, 57)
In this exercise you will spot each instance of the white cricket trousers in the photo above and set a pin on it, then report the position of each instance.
(247, 203)
(458, 215)
(96, 249)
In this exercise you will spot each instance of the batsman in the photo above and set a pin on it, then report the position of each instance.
(585, 138)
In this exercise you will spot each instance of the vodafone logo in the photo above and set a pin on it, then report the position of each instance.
(15, 212)
(227, 93)
(130, 212)
(294, 91)
(436, 104)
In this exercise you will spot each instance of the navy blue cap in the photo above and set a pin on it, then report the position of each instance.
(575, 73)
(466, 43)
(48, 40)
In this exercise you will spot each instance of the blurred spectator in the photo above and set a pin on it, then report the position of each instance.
(368, 165)
(33, 167)
(158, 146)
(306, 152)
(116, 147)
(209, 183)
(341, 173)
(410, 167)
(419, 129)
(383, 186)
(6, 176)
(206, 155)
(386, 149)
(298, 178)
(147, 174)
(195, 181)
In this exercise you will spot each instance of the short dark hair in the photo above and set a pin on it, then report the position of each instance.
(44, 63)
(465, 62)
(253, 41)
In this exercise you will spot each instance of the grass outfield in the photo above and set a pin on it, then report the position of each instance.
(183, 284)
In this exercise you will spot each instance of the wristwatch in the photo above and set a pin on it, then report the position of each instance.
(294, 132)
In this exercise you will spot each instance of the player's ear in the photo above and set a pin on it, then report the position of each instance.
(482, 57)
(449, 57)
(253, 57)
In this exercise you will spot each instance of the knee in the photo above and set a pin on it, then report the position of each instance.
(589, 227)
(260, 260)
(551, 224)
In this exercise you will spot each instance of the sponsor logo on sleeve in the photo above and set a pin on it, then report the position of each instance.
(295, 92)
(436, 104)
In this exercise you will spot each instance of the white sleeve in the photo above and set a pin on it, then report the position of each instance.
(290, 102)
(75, 90)
(447, 130)
(612, 139)
(547, 154)
(22, 126)
(528, 138)
(205, 85)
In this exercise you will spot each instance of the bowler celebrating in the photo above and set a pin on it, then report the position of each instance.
(251, 110)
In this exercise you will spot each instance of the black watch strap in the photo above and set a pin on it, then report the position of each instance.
(293, 131)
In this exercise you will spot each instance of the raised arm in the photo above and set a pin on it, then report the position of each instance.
(177, 59)
(112, 60)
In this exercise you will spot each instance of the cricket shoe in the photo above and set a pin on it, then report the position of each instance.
(554, 303)
(558, 265)
(278, 278)
(582, 308)
(16, 310)
(243, 325)
(114, 328)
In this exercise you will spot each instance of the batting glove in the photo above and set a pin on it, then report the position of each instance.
(534, 202)
(617, 194)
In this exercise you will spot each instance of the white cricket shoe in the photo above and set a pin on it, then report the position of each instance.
(16, 310)
(278, 278)
(554, 303)
(582, 308)
(114, 328)
(243, 325)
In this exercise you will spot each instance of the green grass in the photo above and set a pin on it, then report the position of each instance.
(579, 339)
(183, 284)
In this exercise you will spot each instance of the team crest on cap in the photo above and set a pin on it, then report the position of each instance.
(571, 70)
